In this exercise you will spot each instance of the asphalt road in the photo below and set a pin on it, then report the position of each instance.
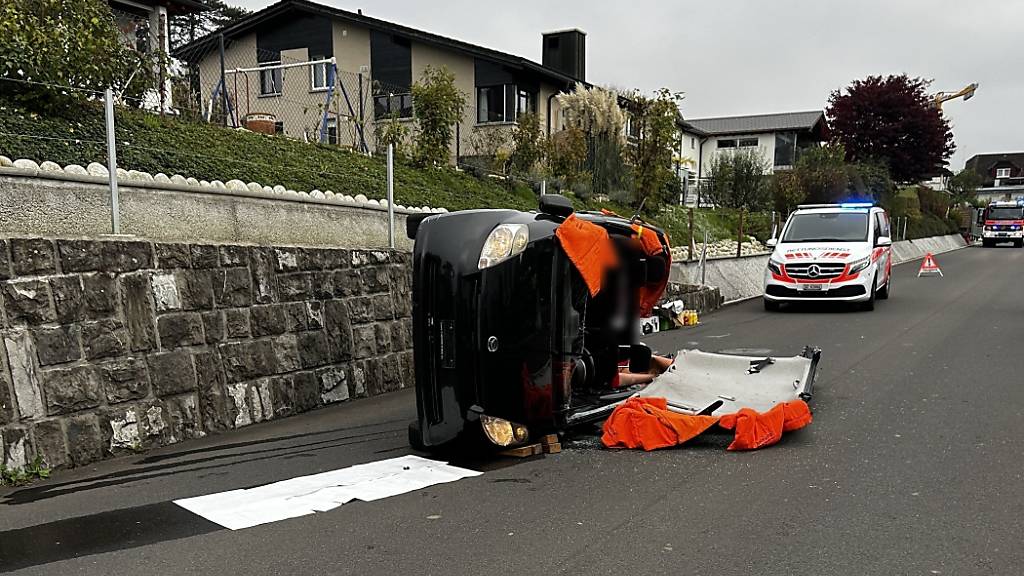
(914, 465)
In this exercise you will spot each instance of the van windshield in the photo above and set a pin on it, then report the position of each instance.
(827, 227)
(1007, 213)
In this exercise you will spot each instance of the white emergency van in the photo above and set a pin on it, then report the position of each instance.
(831, 252)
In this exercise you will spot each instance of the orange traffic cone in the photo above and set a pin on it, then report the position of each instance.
(929, 266)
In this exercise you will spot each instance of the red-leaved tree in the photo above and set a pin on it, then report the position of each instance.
(891, 120)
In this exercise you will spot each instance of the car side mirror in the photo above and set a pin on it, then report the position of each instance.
(555, 205)
(883, 241)
(412, 224)
(772, 242)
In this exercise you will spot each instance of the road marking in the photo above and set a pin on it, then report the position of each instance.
(305, 495)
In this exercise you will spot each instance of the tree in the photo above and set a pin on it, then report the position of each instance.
(891, 120)
(963, 186)
(527, 144)
(822, 173)
(437, 106)
(787, 191)
(567, 154)
(738, 180)
(656, 139)
(187, 28)
(595, 112)
(72, 43)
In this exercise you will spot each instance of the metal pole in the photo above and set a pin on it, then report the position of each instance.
(391, 195)
(543, 187)
(704, 257)
(362, 141)
(689, 255)
(739, 239)
(223, 83)
(115, 204)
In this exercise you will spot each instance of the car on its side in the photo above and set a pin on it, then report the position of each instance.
(831, 252)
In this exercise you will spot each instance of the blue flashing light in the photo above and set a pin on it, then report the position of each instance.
(856, 204)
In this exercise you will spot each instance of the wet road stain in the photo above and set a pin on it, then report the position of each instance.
(98, 533)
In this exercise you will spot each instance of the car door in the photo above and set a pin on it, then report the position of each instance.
(881, 226)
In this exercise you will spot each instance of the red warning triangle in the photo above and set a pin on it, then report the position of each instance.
(929, 266)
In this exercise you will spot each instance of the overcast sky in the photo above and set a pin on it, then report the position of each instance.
(734, 57)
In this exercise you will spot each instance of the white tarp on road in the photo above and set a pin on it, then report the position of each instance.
(237, 509)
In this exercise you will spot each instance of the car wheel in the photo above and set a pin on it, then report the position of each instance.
(771, 305)
(416, 437)
(1018, 243)
(987, 243)
(883, 292)
(869, 304)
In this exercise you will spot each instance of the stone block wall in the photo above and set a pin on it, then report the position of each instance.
(111, 346)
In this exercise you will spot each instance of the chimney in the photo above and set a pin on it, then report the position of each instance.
(565, 51)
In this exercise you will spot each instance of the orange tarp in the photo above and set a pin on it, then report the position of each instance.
(589, 248)
(648, 423)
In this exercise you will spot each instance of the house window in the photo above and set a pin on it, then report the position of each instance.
(747, 143)
(332, 131)
(693, 143)
(727, 143)
(271, 79)
(502, 103)
(392, 106)
(1002, 172)
(319, 74)
(785, 149)
(278, 127)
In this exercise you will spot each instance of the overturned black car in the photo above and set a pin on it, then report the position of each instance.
(510, 337)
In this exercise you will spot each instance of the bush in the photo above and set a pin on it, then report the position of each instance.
(71, 43)
(437, 107)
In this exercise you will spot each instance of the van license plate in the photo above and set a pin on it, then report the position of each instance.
(810, 287)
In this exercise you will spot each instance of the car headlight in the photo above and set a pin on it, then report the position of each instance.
(989, 228)
(504, 242)
(502, 432)
(859, 265)
(775, 266)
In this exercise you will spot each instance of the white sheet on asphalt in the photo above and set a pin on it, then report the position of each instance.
(237, 509)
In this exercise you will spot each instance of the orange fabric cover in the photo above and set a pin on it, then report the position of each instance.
(589, 248)
(652, 246)
(755, 430)
(647, 423)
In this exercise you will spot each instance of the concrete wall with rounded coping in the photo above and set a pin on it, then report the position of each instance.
(37, 202)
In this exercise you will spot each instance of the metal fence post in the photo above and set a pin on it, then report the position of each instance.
(223, 82)
(391, 195)
(689, 254)
(115, 204)
(739, 238)
(704, 257)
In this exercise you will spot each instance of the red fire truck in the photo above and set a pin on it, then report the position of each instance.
(1004, 222)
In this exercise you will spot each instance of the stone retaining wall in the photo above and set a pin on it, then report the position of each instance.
(112, 346)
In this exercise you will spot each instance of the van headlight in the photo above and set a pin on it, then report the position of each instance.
(502, 432)
(775, 266)
(859, 265)
(504, 242)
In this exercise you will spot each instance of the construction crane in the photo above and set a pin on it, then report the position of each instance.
(966, 93)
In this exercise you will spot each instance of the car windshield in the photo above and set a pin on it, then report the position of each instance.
(1008, 213)
(827, 227)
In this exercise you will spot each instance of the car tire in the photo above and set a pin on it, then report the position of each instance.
(1018, 243)
(883, 292)
(771, 305)
(869, 304)
(416, 437)
(987, 243)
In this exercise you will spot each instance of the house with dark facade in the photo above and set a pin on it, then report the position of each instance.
(1002, 175)
(327, 74)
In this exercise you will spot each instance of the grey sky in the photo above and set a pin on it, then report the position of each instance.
(754, 56)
